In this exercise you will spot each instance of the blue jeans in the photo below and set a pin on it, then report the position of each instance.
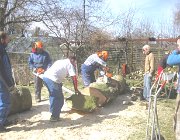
(56, 97)
(88, 74)
(147, 86)
(4, 103)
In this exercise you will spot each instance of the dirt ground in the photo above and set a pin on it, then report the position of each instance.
(112, 122)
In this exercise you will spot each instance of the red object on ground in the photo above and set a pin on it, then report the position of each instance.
(160, 69)
(124, 69)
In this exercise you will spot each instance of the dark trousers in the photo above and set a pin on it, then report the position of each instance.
(38, 86)
(56, 96)
(4, 104)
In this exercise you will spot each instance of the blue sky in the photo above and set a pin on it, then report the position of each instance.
(156, 10)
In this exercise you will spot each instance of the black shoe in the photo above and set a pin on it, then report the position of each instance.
(3, 129)
(54, 119)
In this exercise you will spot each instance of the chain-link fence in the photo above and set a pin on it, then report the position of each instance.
(120, 52)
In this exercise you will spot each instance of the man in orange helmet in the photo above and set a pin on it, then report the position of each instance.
(93, 62)
(39, 62)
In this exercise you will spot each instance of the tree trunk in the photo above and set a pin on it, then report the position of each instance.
(2, 26)
(97, 94)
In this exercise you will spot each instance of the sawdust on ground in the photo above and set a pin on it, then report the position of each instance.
(112, 122)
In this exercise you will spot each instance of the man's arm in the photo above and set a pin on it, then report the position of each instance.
(1, 77)
(30, 62)
(4, 78)
(74, 79)
(100, 61)
(72, 73)
(152, 63)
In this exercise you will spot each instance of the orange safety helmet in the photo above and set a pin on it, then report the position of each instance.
(103, 54)
(38, 44)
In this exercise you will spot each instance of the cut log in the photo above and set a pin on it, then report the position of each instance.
(90, 91)
(98, 94)
(114, 87)
(82, 102)
(21, 100)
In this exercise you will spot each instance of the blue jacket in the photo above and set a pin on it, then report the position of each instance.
(5, 68)
(174, 58)
(39, 60)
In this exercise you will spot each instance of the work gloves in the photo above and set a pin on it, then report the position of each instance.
(38, 70)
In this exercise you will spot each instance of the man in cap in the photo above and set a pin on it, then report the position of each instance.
(149, 71)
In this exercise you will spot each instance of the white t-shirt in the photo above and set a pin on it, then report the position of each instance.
(59, 70)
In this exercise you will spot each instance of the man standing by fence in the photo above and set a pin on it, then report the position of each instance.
(6, 81)
(149, 71)
(39, 62)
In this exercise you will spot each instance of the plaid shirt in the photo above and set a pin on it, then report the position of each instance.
(93, 59)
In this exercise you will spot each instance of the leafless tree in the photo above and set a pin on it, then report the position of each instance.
(176, 19)
(21, 12)
(73, 23)
(177, 14)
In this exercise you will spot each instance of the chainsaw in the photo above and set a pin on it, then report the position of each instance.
(107, 72)
(107, 75)
(39, 70)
